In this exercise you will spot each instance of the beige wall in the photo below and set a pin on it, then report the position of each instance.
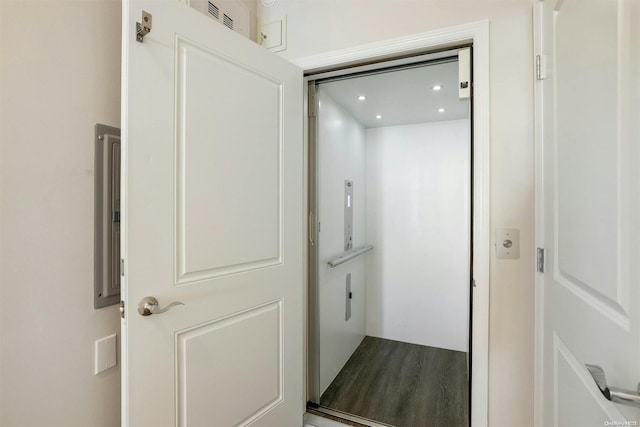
(1, 192)
(60, 76)
(325, 25)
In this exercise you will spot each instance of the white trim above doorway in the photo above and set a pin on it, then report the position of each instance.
(477, 34)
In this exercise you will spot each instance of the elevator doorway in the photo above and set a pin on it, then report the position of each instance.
(390, 255)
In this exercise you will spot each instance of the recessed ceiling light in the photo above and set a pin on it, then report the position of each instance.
(362, 97)
(440, 110)
(379, 116)
(437, 87)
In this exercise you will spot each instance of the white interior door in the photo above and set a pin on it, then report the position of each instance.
(590, 102)
(213, 209)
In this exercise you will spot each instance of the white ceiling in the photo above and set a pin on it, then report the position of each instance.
(401, 97)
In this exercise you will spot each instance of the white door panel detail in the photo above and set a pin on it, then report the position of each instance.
(590, 120)
(213, 209)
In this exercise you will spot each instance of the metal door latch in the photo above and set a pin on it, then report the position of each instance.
(149, 306)
(614, 394)
(144, 28)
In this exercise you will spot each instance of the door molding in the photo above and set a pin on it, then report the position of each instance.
(476, 33)
(538, 349)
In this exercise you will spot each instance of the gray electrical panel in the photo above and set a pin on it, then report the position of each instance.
(348, 215)
(107, 217)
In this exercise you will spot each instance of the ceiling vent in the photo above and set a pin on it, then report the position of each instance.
(233, 14)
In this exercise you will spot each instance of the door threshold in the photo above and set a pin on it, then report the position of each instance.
(343, 418)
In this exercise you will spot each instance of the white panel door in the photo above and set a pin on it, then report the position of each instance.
(591, 121)
(213, 209)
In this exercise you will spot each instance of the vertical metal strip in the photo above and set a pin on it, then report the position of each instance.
(347, 312)
(313, 355)
(348, 215)
(464, 73)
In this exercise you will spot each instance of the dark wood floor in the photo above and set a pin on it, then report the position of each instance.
(402, 384)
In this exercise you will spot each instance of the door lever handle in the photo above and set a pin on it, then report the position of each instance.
(614, 394)
(149, 306)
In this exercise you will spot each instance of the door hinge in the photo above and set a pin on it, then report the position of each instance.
(312, 231)
(540, 260)
(122, 267)
(313, 101)
(143, 28)
(122, 309)
(541, 67)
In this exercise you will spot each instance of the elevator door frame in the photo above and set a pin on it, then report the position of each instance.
(396, 52)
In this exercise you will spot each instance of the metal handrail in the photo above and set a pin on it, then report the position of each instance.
(350, 255)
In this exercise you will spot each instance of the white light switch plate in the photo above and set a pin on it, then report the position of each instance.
(105, 353)
(508, 243)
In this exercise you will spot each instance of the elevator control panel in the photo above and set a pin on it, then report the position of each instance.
(348, 215)
(106, 266)
(348, 298)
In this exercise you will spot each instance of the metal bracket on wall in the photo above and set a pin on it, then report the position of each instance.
(143, 28)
